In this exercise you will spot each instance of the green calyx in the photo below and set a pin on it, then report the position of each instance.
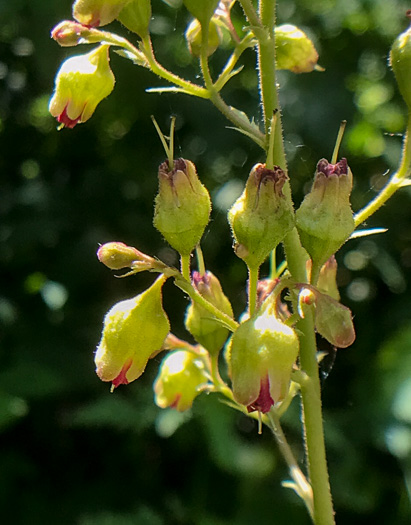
(208, 331)
(182, 206)
(134, 330)
(325, 218)
(400, 61)
(262, 216)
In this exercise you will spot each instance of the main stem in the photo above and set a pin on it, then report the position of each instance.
(296, 258)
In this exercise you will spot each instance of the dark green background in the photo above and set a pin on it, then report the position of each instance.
(71, 453)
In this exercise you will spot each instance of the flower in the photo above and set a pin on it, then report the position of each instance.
(81, 83)
(94, 13)
(261, 356)
(134, 331)
(179, 380)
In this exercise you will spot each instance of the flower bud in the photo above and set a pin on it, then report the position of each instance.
(81, 83)
(294, 50)
(400, 61)
(69, 34)
(178, 381)
(134, 330)
(325, 219)
(261, 216)
(333, 321)
(206, 330)
(94, 13)
(117, 255)
(262, 353)
(193, 36)
(136, 16)
(182, 206)
(203, 10)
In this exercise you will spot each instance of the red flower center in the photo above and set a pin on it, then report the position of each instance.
(264, 401)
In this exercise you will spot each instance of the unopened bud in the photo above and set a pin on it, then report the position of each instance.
(333, 321)
(262, 216)
(117, 255)
(294, 50)
(262, 353)
(69, 34)
(182, 206)
(180, 376)
(208, 331)
(134, 331)
(400, 61)
(81, 83)
(325, 218)
(193, 36)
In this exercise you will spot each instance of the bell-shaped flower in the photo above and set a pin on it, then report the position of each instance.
(134, 331)
(179, 380)
(94, 13)
(294, 50)
(81, 83)
(261, 355)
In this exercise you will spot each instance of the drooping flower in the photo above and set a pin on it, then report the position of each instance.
(261, 356)
(178, 381)
(94, 13)
(134, 331)
(81, 83)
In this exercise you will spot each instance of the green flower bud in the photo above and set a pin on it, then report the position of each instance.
(325, 219)
(69, 34)
(117, 255)
(294, 50)
(333, 321)
(262, 353)
(94, 13)
(193, 36)
(134, 330)
(136, 16)
(261, 216)
(182, 206)
(81, 83)
(180, 376)
(206, 330)
(203, 10)
(400, 61)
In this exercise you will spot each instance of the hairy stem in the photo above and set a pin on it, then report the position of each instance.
(296, 258)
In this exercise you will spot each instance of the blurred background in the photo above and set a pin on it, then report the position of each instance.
(71, 453)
